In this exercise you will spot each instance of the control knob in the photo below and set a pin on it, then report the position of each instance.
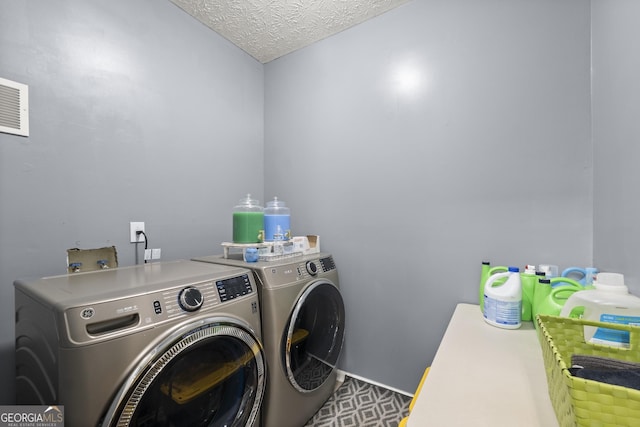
(190, 299)
(312, 268)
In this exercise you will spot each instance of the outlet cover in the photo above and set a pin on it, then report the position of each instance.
(133, 228)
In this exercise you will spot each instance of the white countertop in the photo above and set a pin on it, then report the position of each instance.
(484, 376)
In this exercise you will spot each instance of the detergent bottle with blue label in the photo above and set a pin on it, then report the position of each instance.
(486, 272)
(503, 304)
(609, 301)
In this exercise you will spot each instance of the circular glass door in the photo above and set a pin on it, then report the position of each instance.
(313, 339)
(211, 375)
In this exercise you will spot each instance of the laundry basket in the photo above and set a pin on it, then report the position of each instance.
(578, 401)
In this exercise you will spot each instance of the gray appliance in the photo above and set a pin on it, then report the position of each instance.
(303, 320)
(164, 344)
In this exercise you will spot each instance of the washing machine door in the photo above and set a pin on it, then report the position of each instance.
(314, 336)
(208, 373)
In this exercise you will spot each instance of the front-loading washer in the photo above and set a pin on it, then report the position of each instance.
(303, 320)
(163, 344)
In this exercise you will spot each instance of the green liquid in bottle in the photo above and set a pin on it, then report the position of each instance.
(247, 226)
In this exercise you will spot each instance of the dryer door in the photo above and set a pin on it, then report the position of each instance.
(314, 336)
(208, 373)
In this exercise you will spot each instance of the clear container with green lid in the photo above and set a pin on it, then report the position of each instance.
(248, 221)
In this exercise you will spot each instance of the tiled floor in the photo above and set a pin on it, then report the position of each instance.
(359, 404)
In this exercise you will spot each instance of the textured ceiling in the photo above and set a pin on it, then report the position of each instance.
(269, 29)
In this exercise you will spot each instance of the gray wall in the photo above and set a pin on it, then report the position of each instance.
(616, 130)
(138, 113)
(490, 159)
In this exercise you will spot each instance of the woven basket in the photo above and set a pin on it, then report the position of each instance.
(578, 401)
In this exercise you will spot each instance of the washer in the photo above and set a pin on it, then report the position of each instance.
(303, 321)
(164, 344)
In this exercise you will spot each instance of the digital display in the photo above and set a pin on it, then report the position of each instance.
(234, 287)
(327, 264)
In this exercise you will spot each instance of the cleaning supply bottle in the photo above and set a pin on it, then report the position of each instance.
(549, 270)
(554, 302)
(540, 293)
(609, 301)
(503, 304)
(484, 274)
(529, 281)
(584, 276)
(565, 281)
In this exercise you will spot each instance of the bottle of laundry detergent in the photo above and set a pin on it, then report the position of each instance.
(529, 281)
(584, 276)
(610, 302)
(486, 272)
(503, 304)
(540, 294)
(484, 275)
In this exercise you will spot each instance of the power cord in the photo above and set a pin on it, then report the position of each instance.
(146, 243)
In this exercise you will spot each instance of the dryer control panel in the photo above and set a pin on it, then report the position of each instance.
(281, 275)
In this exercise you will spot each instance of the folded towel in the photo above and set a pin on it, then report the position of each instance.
(606, 370)
(598, 362)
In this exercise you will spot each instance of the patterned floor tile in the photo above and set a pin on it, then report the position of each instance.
(360, 404)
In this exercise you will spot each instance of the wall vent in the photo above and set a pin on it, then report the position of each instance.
(14, 107)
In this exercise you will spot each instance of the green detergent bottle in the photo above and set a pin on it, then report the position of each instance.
(551, 295)
(486, 272)
(529, 280)
(540, 294)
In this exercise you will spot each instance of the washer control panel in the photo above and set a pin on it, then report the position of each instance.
(101, 320)
(233, 288)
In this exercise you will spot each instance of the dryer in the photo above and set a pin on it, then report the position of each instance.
(164, 344)
(303, 320)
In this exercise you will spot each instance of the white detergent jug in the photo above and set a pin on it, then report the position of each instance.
(610, 302)
(503, 303)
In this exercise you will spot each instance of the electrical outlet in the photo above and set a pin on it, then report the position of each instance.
(152, 254)
(133, 228)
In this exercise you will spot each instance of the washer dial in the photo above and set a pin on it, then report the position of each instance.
(190, 299)
(312, 268)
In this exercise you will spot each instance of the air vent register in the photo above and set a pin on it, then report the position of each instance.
(14, 107)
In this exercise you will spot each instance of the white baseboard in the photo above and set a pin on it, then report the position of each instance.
(342, 374)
